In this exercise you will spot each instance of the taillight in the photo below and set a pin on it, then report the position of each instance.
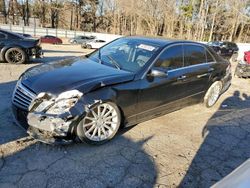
(39, 42)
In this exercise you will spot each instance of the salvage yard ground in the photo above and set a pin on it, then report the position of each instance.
(192, 147)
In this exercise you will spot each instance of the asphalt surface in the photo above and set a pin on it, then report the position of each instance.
(192, 147)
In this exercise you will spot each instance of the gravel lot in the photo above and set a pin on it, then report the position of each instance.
(192, 147)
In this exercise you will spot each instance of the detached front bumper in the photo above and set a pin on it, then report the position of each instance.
(40, 134)
(52, 119)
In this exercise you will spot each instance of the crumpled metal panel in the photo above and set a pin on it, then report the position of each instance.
(56, 113)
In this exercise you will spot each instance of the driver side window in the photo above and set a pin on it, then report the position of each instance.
(171, 58)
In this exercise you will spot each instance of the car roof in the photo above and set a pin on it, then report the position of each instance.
(162, 41)
(11, 33)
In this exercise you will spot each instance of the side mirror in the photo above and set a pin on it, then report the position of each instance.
(157, 73)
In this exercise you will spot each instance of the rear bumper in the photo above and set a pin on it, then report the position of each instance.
(36, 51)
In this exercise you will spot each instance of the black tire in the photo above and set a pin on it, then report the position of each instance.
(83, 46)
(213, 94)
(82, 128)
(15, 56)
(88, 46)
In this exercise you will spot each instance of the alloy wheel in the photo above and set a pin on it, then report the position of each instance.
(101, 123)
(214, 95)
(15, 56)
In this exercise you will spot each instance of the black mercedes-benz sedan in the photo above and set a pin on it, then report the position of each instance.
(128, 81)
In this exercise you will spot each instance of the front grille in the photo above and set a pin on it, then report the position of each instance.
(22, 96)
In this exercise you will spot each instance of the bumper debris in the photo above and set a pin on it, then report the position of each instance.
(54, 116)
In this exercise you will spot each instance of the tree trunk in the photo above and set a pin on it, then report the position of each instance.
(213, 21)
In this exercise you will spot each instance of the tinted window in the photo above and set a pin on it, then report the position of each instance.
(100, 41)
(171, 58)
(2, 36)
(231, 45)
(209, 57)
(194, 55)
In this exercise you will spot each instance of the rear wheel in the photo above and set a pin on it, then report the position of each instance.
(213, 94)
(89, 46)
(100, 124)
(15, 56)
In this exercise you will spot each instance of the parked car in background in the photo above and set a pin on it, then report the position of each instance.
(17, 49)
(243, 67)
(25, 35)
(247, 57)
(128, 81)
(225, 49)
(95, 44)
(81, 39)
(51, 39)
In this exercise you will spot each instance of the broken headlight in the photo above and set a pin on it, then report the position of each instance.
(52, 105)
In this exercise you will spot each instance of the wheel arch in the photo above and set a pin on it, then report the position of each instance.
(5, 48)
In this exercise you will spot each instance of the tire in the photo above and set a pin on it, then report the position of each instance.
(83, 46)
(213, 94)
(15, 56)
(88, 46)
(100, 124)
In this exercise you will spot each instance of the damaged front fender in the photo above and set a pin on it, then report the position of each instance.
(55, 115)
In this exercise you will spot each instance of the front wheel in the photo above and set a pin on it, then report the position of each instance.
(213, 94)
(100, 124)
(15, 56)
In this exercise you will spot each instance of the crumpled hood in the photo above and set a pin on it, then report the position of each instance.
(76, 73)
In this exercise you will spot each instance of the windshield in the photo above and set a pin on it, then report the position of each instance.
(126, 54)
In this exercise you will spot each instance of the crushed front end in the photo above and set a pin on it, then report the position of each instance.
(52, 118)
(49, 118)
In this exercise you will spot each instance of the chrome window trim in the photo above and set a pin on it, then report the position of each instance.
(182, 44)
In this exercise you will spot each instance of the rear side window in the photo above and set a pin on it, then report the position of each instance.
(209, 57)
(171, 58)
(194, 55)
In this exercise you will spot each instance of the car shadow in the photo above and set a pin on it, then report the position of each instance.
(24, 162)
(225, 145)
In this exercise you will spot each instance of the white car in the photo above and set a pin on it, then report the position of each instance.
(97, 43)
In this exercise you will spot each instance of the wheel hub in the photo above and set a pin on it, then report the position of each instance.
(101, 122)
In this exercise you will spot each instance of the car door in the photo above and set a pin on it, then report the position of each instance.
(159, 95)
(197, 69)
(3, 39)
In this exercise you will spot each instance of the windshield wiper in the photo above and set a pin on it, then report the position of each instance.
(114, 62)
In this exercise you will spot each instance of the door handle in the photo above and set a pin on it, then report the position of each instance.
(182, 77)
